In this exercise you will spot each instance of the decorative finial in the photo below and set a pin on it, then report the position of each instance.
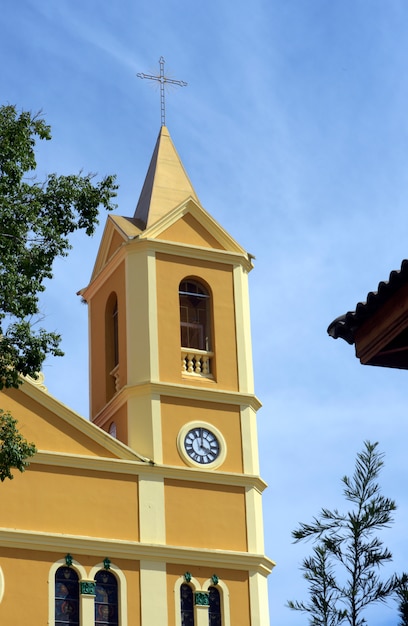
(162, 79)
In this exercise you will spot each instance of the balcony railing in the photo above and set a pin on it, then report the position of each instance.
(115, 375)
(196, 362)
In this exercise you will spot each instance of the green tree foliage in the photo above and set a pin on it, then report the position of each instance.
(324, 596)
(401, 591)
(36, 220)
(343, 573)
(14, 449)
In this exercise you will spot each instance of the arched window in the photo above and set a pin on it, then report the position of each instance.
(195, 322)
(112, 346)
(66, 597)
(106, 599)
(186, 605)
(214, 613)
(115, 329)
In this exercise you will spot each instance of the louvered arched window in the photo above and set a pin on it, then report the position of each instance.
(112, 345)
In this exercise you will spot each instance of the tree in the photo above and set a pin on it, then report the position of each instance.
(324, 596)
(401, 591)
(14, 449)
(348, 576)
(36, 220)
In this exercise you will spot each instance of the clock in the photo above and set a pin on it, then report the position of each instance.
(201, 445)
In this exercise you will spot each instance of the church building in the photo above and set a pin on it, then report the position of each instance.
(150, 512)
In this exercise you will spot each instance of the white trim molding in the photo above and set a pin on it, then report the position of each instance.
(201, 612)
(224, 598)
(2, 584)
(122, 588)
(78, 568)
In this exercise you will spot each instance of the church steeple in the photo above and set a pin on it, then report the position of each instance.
(171, 377)
(166, 184)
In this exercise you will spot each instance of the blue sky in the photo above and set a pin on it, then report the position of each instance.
(293, 129)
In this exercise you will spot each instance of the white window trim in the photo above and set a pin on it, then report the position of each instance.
(51, 584)
(224, 598)
(196, 586)
(122, 589)
(83, 576)
(1, 584)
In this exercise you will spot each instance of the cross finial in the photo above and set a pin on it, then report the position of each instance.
(162, 79)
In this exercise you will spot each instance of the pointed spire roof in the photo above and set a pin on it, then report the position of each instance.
(166, 184)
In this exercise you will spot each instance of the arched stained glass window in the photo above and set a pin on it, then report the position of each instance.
(214, 613)
(186, 605)
(66, 597)
(195, 323)
(106, 599)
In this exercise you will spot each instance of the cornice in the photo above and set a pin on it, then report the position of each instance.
(176, 390)
(132, 550)
(136, 468)
(194, 252)
(138, 244)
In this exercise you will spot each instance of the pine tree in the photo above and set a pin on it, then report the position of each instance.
(401, 591)
(350, 545)
(322, 607)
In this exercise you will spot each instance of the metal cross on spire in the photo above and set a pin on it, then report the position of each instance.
(162, 79)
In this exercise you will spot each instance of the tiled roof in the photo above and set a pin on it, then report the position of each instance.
(346, 325)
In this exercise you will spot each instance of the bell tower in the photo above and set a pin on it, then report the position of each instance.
(171, 376)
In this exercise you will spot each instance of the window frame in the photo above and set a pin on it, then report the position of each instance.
(196, 586)
(205, 330)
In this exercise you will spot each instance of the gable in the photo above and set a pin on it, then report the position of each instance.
(118, 230)
(188, 230)
(52, 427)
(189, 223)
(116, 242)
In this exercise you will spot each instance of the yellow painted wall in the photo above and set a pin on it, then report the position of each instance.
(188, 230)
(97, 305)
(71, 501)
(211, 516)
(26, 575)
(176, 412)
(236, 581)
(120, 418)
(170, 271)
(45, 429)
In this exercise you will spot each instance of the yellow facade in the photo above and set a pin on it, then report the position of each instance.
(159, 493)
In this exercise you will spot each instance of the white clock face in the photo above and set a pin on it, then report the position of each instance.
(201, 445)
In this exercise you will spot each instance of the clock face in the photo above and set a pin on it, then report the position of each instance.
(201, 445)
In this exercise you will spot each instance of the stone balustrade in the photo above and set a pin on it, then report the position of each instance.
(196, 362)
